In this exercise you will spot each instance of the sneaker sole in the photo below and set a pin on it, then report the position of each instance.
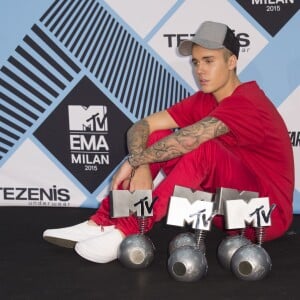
(99, 260)
(60, 242)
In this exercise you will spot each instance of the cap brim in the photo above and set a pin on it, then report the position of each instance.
(185, 47)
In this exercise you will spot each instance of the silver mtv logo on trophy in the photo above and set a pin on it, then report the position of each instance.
(187, 206)
(124, 203)
(224, 194)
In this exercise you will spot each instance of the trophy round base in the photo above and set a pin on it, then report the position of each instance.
(187, 264)
(182, 239)
(136, 251)
(228, 247)
(251, 262)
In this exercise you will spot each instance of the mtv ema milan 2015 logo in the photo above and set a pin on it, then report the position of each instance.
(271, 14)
(86, 133)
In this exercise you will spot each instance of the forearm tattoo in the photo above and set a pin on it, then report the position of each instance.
(137, 137)
(178, 143)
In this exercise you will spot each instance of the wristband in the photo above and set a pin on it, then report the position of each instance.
(128, 159)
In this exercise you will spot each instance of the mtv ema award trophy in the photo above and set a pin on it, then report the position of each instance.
(137, 250)
(230, 244)
(246, 260)
(187, 261)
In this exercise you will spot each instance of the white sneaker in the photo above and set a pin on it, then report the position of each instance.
(102, 249)
(68, 236)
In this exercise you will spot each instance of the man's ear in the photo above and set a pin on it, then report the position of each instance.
(232, 62)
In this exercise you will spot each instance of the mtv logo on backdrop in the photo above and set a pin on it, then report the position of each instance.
(92, 118)
(86, 133)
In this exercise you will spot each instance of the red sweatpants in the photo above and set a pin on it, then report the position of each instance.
(206, 168)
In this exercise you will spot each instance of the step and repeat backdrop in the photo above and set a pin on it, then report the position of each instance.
(75, 74)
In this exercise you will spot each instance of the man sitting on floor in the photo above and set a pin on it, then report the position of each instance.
(229, 134)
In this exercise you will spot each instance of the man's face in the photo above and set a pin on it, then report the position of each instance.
(214, 72)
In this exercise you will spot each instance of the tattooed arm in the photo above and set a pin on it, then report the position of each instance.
(137, 138)
(137, 135)
(178, 143)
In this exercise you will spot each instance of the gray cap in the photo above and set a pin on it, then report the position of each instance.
(211, 35)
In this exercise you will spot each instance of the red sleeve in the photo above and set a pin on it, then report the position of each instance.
(242, 118)
(192, 109)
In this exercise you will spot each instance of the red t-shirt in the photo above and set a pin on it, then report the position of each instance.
(257, 135)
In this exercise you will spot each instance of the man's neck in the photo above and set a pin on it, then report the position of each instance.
(227, 90)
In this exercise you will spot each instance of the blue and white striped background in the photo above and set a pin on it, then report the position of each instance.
(48, 46)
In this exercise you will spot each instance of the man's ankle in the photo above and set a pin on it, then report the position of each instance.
(92, 223)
